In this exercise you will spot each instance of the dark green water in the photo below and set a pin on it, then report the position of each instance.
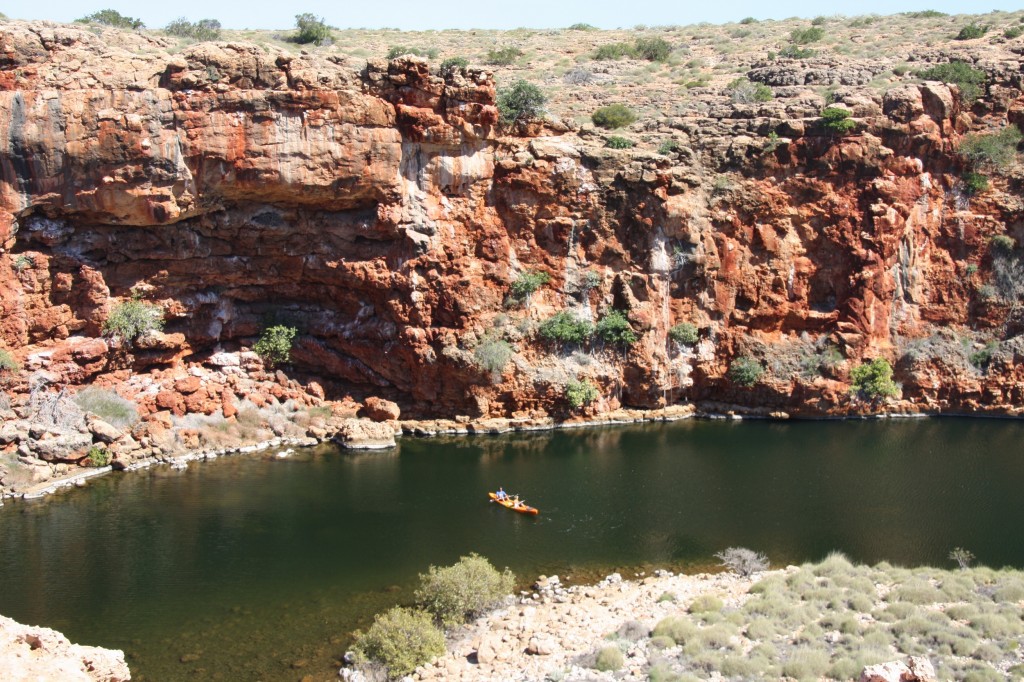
(254, 568)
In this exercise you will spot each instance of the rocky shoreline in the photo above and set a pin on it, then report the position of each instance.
(347, 432)
(29, 653)
(556, 632)
(354, 433)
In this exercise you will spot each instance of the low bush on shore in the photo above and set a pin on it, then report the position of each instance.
(455, 594)
(400, 640)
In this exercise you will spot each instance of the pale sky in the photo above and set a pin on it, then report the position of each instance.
(438, 14)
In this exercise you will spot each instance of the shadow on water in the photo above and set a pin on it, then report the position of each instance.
(258, 568)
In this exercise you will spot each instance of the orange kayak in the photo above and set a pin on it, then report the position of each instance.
(523, 508)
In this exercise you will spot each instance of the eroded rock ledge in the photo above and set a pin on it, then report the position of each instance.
(28, 654)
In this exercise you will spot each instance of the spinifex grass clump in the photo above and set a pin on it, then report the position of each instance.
(829, 620)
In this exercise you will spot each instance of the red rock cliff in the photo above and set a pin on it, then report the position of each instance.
(382, 212)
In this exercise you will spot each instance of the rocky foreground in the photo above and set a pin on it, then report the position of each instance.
(826, 621)
(32, 654)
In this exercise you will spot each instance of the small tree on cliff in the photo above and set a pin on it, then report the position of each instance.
(109, 17)
(745, 371)
(520, 102)
(131, 319)
(580, 393)
(275, 344)
(873, 381)
(311, 29)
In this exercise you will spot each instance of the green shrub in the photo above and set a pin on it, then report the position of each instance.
(609, 658)
(108, 406)
(971, 31)
(745, 371)
(275, 344)
(400, 640)
(580, 393)
(399, 50)
(23, 262)
(454, 594)
(311, 30)
(748, 20)
(492, 355)
(204, 29)
(109, 17)
(618, 142)
(582, 27)
(705, 603)
(873, 380)
(662, 642)
(837, 121)
(453, 64)
(745, 91)
(996, 626)
(1001, 244)
(667, 596)
(503, 56)
(981, 359)
(614, 328)
(1013, 32)
(669, 147)
(804, 36)
(527, 283)
(969, 79)
(613, 116)
(131, 319)
(679, 630)
(796, 52)
(520, 102)
(684, 333)
(98, 457)
(925, 14)
(997, 150)
(975, 183)
(614, 51)
(564, 327)
(805, 664)
(916, 592)
(7, 362)
(589, 280)
(652, 49)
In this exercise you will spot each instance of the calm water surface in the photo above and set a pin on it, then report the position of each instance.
(255, 568)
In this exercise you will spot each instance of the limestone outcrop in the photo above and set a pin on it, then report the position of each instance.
(382, 210)
(33, 653)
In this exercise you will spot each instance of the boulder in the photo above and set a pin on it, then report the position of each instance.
(916, 669)
(380, 410)
(542, 645)
(362, 434)
(66, 445)
(102, 431)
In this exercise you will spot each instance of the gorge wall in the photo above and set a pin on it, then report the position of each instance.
(383, 211)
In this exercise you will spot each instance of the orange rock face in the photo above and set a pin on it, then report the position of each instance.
(381, 214)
